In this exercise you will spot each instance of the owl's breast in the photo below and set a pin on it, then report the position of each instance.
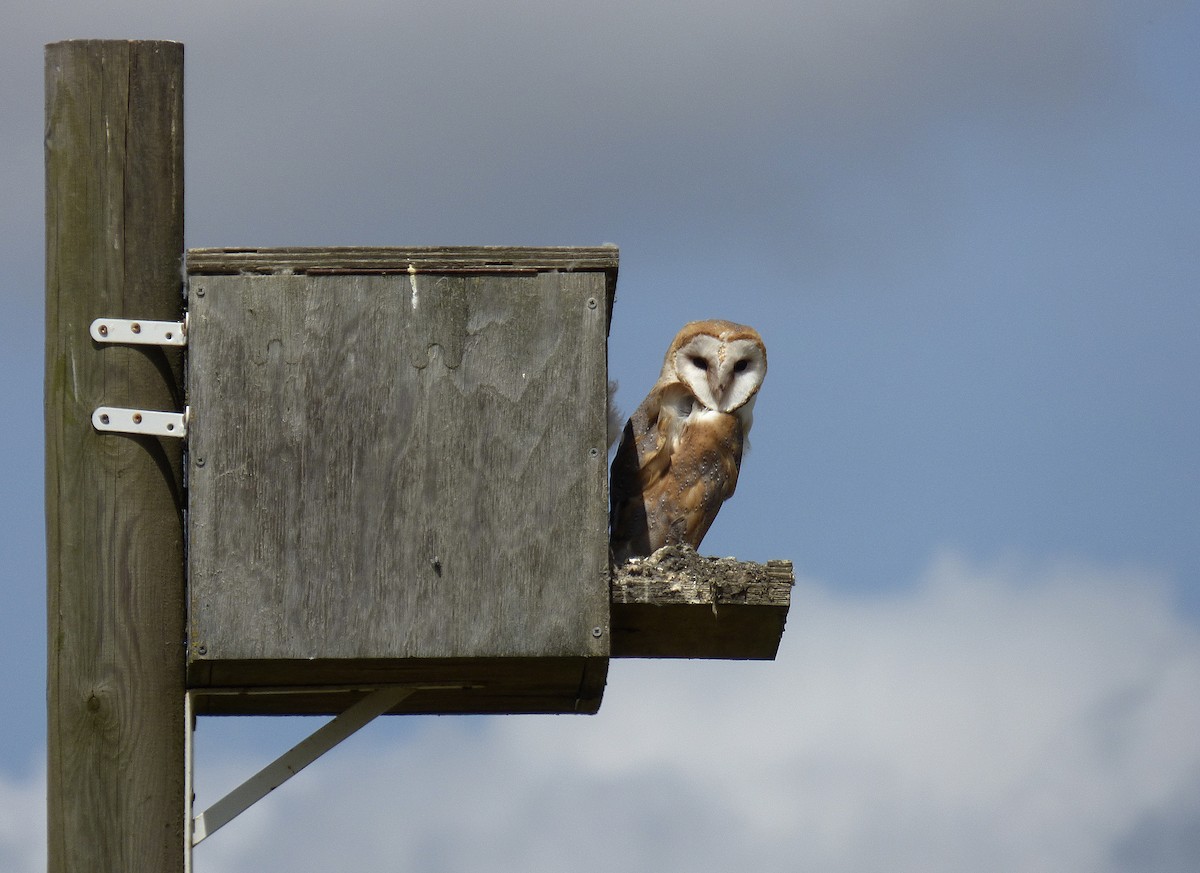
(710, 445)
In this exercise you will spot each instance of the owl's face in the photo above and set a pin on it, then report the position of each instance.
(722, 363)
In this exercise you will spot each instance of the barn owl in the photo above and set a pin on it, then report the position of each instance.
(681, 450)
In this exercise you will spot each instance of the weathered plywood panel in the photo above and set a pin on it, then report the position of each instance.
(400, 464)
(378, 260)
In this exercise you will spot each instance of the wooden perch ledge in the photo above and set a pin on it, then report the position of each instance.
(678, 604)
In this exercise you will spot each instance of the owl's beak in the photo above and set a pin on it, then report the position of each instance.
(717, 383)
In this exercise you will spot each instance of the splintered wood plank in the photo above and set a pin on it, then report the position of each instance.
(677, 604)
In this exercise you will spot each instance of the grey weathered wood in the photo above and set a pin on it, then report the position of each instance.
(677, 604)
(445, 687)
(400, 473)
(356, 259)
(114, 533)
(423, 259)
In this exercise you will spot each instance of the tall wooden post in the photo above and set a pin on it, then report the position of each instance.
(114, 503)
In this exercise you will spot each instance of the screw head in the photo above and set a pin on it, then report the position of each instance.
(597, 632)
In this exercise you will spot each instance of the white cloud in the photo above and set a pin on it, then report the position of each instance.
(992, 718)
(999, 718)
(23, 823)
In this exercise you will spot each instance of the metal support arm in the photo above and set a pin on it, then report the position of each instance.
(296, 759)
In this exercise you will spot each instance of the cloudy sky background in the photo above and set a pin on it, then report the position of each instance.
(970, 235)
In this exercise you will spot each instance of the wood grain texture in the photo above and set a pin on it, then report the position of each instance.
(677, 604)
(393, 466)
(345, 260)
(114, 538)
(439, 259)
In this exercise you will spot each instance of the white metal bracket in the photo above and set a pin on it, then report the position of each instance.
(141, 332)
(141, 421)
(128, 331)
(287, 765)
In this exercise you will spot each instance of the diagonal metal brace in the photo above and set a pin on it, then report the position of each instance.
(293, 761)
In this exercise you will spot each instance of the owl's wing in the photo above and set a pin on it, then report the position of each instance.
(643, 459)
(658, 427)
(703, 477)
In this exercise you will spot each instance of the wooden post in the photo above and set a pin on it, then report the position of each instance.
(114, 503)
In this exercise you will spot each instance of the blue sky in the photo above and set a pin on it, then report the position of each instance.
(970, 236)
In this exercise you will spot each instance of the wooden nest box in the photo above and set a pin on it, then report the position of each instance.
(397, 475)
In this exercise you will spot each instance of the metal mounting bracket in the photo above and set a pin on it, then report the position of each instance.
(287, 765)
(141, 421)
(140, 332)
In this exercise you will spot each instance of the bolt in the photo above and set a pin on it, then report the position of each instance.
(593, 453)
(199, 462)
(199, 290)
(135, 327)
(591, 303)
(202, 649)
(104, 330)
(597, 632)
(169, 334)
(137, 418)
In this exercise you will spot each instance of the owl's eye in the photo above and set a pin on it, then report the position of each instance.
(740, 366)
(699, 363)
